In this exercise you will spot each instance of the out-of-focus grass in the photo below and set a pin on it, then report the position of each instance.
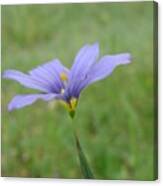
(114, 117)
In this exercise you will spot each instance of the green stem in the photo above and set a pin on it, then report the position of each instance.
(85, 168)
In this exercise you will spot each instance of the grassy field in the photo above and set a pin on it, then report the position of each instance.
(114, 118)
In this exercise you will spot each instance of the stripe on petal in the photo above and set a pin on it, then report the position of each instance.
(20, 101)
(25, 80)
(102, 69)
(106, 65)
(84, 60)
(45, 78)
(86, 56)
(49, 75)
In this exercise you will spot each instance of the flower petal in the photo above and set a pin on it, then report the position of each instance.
(84, 60)
(102, 69)
(45, 77)
(24, 79)
(86, 56)
(106, 65)
(48, 74)
(20, 101)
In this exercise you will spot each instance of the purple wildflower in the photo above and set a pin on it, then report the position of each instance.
(54, 81)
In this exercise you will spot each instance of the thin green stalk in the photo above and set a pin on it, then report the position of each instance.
(85, 168)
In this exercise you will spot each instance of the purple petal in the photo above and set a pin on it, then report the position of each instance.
(106, 65)
(49, 75)
(84, 60)
(86, 56)
(102, 69)
(25, 80)
(20, 101)
(45, 77)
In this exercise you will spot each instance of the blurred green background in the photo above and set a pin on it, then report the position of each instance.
(114, 117)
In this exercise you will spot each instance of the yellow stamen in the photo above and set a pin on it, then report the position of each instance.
(73, 103)
(70, 106)
(63, 76)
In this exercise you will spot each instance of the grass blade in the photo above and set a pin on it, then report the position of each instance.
(86, 171)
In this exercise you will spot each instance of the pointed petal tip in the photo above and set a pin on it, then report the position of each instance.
(95, 48)
(4, 74)
(96, 44)
(7, 73)
(126, 58)
(10, 107)
(129, 58)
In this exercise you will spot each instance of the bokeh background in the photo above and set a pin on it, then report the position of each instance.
(114, 118)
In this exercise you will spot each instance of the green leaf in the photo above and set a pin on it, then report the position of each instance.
(86, 171)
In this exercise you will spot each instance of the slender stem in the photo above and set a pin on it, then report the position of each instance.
(85, 168)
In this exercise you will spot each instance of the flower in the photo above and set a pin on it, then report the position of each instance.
(54, 81)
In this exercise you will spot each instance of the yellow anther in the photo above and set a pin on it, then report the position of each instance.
(63, 76)
(70, 106)
(73, 103)
(62, 91)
